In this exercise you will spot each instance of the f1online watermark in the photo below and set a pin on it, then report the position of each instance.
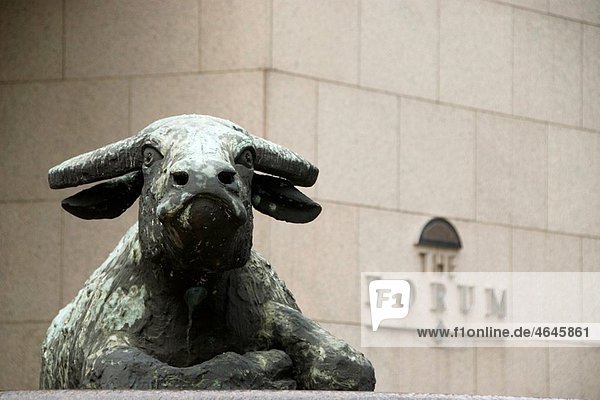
(489, 309)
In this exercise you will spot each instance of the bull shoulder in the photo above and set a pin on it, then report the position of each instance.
(97, 311)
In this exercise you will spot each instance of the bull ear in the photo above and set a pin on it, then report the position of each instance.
(279, 199)
(106, 200)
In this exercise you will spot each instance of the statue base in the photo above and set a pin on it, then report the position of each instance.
(236, 395)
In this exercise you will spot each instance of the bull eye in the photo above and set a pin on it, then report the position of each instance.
(246, 158)
(150, 155)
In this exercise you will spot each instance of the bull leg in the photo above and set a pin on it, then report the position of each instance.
(321, 361)
(131, 368)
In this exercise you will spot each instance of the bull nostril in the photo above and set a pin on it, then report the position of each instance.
(226, 177)
(180, 177)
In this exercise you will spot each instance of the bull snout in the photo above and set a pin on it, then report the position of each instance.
(224, 176)
(208, 215)
(203, 201)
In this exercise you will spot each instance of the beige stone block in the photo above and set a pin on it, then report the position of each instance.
(21, 348)
(589, 368)
(566, 8)
(423, 373)
(495, 169)
(235, 34)
(531, 298)
(590, 306)
(486, 248)
(565, 372)
(399, 46)
(261, 240)
(563, 253)
(587, 10)
(234, 96)
(423, 370)
(535, 251)
(292, 115)
(86, 244)
(511, 171)
(591, 255)
(546, 252)
(573, 184)
(547, 68)
(357, 146)
(436, 159)
(317, 38)
(42, 125)
(541, 5)
(30, 250)
(406, 370)
(591, 77)
(388, 372)
(529, 251)
(476, 54)
(321, 260)
(526, 371)
(456, 372)
(591, 11)
(347, 332)
(30, 39)
(386, 241)
(130, 37)
(491, 371)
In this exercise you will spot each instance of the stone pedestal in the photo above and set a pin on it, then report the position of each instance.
(234, 395)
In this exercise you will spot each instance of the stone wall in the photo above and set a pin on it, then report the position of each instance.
(483, 112)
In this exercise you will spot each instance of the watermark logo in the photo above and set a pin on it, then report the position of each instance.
(389, 299)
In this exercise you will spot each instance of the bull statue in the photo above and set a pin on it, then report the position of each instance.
(183, 301)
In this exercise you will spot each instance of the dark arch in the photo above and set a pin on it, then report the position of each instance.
(440, 233)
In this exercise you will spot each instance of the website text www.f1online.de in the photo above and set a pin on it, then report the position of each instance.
(488, 332)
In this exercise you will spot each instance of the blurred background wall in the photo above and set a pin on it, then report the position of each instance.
(483, 112)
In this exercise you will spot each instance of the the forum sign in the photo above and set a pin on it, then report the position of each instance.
(440, 304)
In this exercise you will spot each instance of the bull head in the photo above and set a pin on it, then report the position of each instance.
(197, 181)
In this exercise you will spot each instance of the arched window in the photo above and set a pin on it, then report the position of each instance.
(440, 233)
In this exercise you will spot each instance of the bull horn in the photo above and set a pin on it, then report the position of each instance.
(107, 162)
(277, 160)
